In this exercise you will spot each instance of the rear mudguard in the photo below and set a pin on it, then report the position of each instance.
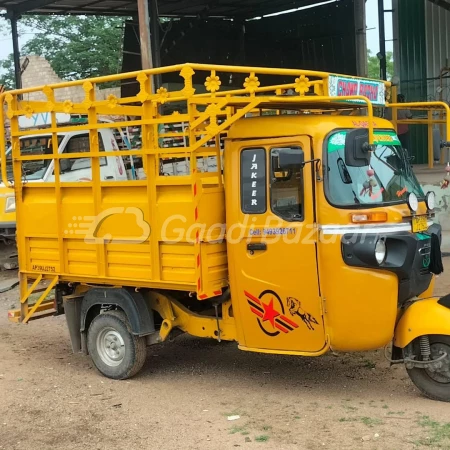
(430, 316)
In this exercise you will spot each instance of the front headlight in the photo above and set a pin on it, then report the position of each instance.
(413, 202)
(380, 251)
(430, 200)
(10, 205)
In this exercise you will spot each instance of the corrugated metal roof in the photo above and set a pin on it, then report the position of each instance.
(423, 51)
(207, 8)
(437, 24)
(411, 66)
(442, 3)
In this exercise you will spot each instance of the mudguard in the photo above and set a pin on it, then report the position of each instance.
(131, 302)
(430, 316)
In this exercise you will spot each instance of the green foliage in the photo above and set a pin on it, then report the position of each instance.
(438, 433)
(370, 422)
(75, 46)
(262, 438)
(373, 64)
(7, 73)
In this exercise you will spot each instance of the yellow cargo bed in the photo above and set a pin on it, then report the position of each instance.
(164, 232)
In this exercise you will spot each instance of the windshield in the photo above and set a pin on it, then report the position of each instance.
(388, 179)
(34, 145)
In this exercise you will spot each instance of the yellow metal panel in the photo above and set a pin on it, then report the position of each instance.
(214, 266)
(289, 125)
(81, 257)
(43, 255)
(211, 209)
(40, 205)
(132, 261)
(423, 317)
(43, 243)
(178, 262)
(360, 311)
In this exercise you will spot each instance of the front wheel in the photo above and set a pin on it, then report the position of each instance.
(115, 351)
(434, 384)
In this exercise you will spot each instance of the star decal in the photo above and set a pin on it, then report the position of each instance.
(269, 313)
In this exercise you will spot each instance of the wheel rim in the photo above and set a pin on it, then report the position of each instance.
(110, 346)
(441, 375)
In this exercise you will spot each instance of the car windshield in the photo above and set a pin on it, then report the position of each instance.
(34, 145)
(387, 179)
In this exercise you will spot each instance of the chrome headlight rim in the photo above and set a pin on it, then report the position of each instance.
(413, 202)
(380, 251)
(430, 200)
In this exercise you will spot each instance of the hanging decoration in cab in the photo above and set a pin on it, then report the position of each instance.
(270, 313)
(369, 184)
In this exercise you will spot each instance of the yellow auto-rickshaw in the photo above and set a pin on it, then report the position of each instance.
(313, 234)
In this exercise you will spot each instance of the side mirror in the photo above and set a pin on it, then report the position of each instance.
(290, 158)
(357, 148)
(408, 156)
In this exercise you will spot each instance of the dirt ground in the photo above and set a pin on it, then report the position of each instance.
(52, 399)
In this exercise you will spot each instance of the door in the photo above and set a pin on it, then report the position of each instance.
(271, 246)
(115, 167)
(79, 169)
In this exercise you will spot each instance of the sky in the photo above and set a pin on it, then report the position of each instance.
(371, 18)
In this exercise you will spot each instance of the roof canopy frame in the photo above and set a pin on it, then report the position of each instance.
(244, 9)
(148, 13)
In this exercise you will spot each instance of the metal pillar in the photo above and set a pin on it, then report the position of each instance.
(241, 59)
(155, 40)
(397, 55)
(383, 65)
(361, 38)
(16, 51)
(144, 35)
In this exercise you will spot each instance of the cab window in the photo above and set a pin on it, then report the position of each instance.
(32, 146)
(80, 144)
(286, 187)
(387, 180)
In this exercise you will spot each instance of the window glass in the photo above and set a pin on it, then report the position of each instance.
(79, 144)
(31, 146)
(286, 187)
(389, 177)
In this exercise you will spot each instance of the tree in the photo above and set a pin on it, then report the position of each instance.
(75, 46)
(7, 73)
(374, 65)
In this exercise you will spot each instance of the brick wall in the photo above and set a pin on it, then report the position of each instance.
(39, 73)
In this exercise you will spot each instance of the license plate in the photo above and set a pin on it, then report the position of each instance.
(419, 224)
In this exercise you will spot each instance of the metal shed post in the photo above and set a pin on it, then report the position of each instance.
(16, 51)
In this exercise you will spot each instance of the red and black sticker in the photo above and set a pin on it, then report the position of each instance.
(270, 313)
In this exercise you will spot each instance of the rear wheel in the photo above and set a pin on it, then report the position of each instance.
(115, 351)
(434, 384)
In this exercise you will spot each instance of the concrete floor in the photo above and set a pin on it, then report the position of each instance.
(430, 176)
(430, 180)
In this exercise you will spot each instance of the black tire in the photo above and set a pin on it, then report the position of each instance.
(126, 354)
(431, 388)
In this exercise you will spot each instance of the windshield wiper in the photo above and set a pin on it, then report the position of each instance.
(355, 198)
